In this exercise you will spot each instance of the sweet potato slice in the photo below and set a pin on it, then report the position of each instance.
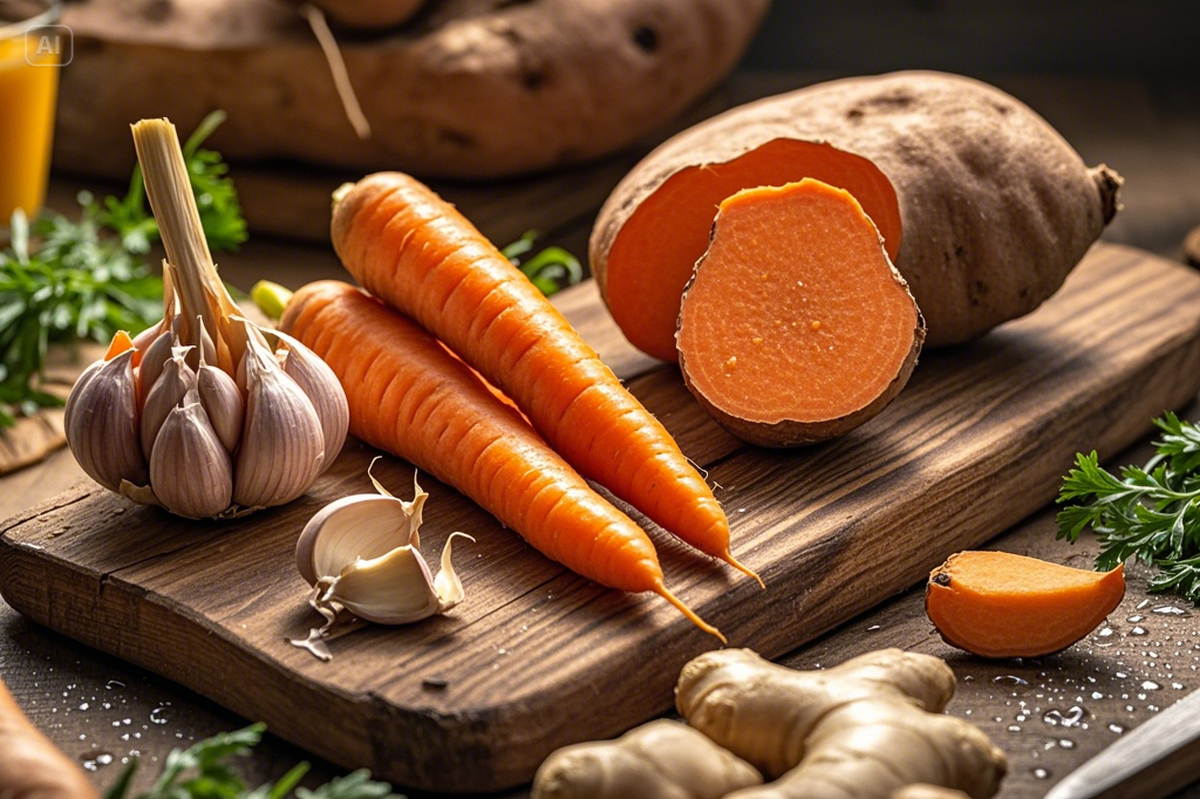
(795, 326)
(997, 604)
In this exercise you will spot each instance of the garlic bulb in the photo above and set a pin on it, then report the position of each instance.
(168, 418)
(362, 554)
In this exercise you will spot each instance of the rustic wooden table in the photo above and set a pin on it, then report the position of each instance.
(1049, 715)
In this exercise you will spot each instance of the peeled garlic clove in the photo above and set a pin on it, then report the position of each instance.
(155, 356)
(190, 470)
(168, 391)
(101, 423)
(354, 551)
(358, 526)
(222, 402)
(323, 388)
(282, 448)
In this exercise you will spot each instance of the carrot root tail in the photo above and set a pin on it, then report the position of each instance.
(662, 591)
(728, 557)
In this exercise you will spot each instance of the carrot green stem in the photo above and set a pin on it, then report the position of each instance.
(271, 298)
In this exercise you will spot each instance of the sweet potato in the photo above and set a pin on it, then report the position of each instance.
(795, 326)
(466, 89)
(984, 208)
(997, 604)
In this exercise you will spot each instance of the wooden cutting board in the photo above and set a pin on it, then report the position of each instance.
(536, 657)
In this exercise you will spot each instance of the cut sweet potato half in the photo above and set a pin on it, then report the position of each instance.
(651, 262)
(795, 326)
(997, 604)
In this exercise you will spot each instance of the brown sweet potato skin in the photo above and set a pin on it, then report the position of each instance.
(468, 89)
(996, 206)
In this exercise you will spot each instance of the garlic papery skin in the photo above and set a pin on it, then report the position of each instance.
(282, 448)
(222, 401)
(174, 382)
(101, 423)
(190, 471)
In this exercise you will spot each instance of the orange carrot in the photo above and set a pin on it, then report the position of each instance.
(30, 766)
(412, 398)
(407, 246)
(997, 604)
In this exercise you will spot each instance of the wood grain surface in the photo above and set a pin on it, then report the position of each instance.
(537, 657)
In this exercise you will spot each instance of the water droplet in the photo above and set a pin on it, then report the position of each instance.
(1178, 686)
(1069, 719)
(1116, 729)
(874, 627)
(1040, 773)
(1134, 619)
(1097, 695)
(1138, 631)
(1066, 743)
(1014, 727)
(111, 684)
(1120, 675)
(1009, 679)
(1143, 604)
(84, 705)
(1171, 610)
(1150, 685)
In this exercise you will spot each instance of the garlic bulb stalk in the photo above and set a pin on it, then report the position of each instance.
(362, 555)
(165, 419)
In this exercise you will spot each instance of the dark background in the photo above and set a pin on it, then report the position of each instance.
(982, 36)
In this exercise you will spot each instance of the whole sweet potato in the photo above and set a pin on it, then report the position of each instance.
(983, 207)
(466, 89)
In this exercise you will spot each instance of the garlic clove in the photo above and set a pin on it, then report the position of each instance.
(358, 526)
(155, 356)
(395, 588)
(168, 391)
(101, 426)
(361, 554)
(323, 388)
(282, 449)
(190, 471)
(144, 339)
(222, 402)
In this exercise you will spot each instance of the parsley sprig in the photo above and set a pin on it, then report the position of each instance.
(64, 279)
(204, 771)
(1151, 512)
(551, 269)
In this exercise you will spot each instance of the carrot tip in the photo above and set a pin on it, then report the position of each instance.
(120, 342)
(662, 591)
(728, 557)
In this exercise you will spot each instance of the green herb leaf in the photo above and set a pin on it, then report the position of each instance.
(1151, 512)
(551, 269)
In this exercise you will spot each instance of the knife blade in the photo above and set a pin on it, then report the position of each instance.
(1150, 762)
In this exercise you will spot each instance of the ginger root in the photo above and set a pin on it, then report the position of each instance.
(862, 730)
(663, 759)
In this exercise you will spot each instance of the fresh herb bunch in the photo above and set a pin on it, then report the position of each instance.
(1150, 512)
(88, 278)
(551, 270)
(203, 771)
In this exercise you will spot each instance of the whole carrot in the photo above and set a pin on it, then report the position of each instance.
(407, 246)
(411, 397)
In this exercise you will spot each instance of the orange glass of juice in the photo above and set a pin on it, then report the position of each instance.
(31, 54)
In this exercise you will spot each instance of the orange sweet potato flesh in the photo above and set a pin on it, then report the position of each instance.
(795, 326)
(650, 262)
(997, 604)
